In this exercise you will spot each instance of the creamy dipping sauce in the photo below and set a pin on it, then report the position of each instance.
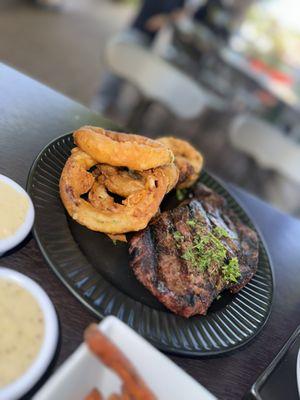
(13, 210)
(21, 330)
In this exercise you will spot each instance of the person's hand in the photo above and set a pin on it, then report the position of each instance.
(156, 22)
(179, 15)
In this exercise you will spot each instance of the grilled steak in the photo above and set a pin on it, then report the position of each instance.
(190, 254)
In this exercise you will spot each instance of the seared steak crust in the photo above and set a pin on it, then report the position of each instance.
(157, 257)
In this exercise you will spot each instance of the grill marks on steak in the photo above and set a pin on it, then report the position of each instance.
(245, 238)
(156, 257)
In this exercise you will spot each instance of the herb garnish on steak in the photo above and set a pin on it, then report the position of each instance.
(190, 254)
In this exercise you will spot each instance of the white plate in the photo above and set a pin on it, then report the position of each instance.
(83, 371)
(13, 240)
(23, 384)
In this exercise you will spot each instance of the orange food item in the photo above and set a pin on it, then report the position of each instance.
(134, 387)
(117, 238)
(94, 395)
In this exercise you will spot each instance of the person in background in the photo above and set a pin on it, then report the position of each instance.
(217, 16)
(50, 4)
(151, 17)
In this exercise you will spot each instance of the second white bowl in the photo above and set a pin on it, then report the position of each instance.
(23, 384)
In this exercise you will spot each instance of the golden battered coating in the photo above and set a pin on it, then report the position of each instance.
(187, 159)
(102, 213)
(122, 150)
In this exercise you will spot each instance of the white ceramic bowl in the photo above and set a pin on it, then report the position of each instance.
(12, 241)
(23, 384)
(83, 371)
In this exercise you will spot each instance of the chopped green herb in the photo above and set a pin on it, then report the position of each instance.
(218, 297)
(220, 232)
(189, 255)
(114, 241)
(207, 251)
(180, 194)
(178, 236)
(231, 271)
(191, 222)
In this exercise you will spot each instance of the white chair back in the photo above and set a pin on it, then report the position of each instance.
(267, 145)
(158, 80)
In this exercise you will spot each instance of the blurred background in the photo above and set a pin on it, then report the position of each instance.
(223, 73)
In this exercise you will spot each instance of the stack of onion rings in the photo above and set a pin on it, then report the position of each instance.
(139, 170)
(142, 189)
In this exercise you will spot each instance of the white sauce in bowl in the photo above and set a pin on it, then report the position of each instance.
(14, 207)
(22, 330)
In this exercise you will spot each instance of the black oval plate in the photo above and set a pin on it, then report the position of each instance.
(97, 273)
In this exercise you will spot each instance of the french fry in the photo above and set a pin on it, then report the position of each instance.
(113, 358)
(94, 395)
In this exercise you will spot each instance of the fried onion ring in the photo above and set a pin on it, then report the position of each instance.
(172, 174)
(187, 159)
(120, 181)
(126, 182)
(101, 199)
(105, 215)
(121, 149)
